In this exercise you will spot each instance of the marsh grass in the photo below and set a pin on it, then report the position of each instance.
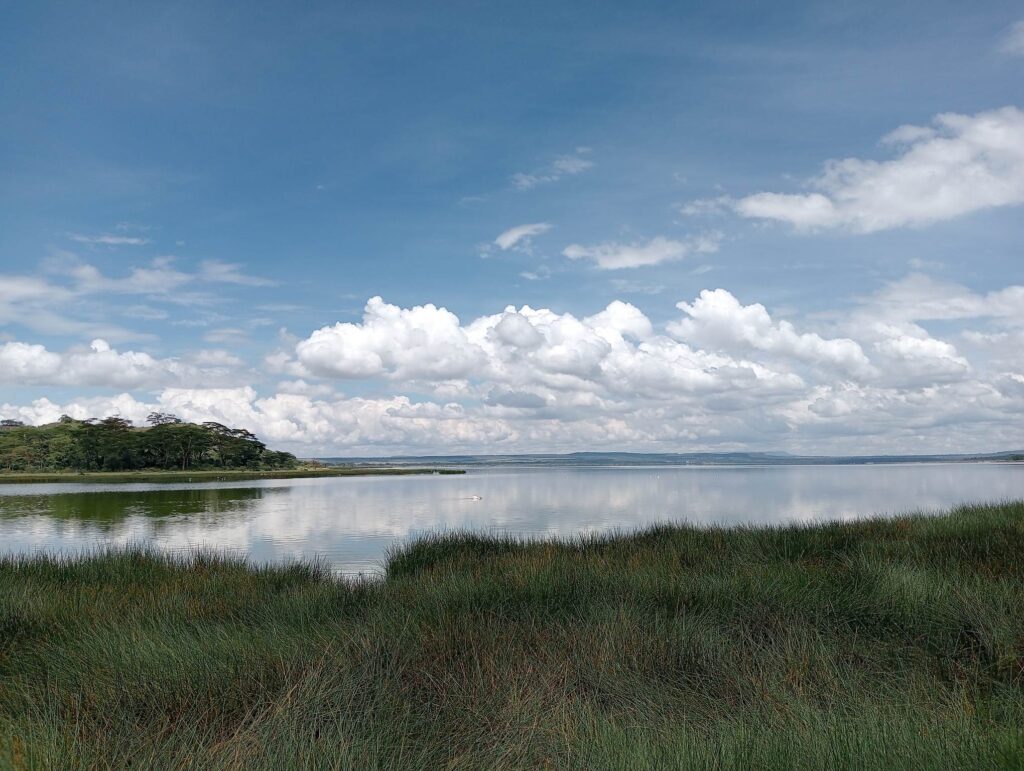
(885, 643)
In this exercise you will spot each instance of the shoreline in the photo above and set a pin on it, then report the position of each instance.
(43, 477)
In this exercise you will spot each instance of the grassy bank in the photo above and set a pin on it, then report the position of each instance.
(877, 644)
(7, 477)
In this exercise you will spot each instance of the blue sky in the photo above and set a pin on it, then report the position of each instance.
(216, 191)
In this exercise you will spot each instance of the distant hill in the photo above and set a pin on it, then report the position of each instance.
(669, 459)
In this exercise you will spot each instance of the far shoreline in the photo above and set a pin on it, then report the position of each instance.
(212, 475)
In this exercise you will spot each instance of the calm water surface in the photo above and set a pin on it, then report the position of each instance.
(352, 521)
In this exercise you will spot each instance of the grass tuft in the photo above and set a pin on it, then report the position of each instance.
(884, 643)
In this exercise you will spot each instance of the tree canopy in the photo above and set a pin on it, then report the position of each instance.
(115, 444)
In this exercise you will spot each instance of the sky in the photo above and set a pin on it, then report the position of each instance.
(414, 228)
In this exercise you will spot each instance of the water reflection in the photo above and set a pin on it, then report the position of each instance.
(114, 506)
(352, 521)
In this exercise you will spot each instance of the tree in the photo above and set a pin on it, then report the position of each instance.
(162, 419)
(115, 443)
(235, 447)
(194, 441)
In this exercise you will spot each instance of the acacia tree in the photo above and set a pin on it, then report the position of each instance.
(115, 443)
(163, 419)
(234, 446)
(193, 442)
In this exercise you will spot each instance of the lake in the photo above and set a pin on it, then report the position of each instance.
(352, 521)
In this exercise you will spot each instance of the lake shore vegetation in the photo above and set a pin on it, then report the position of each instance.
(114, 444)
(880, 643)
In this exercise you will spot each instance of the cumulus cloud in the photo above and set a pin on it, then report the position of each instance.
(615, 256)
(890, 324)
(922, 355)
(414, 343)
(718, 320)
(100, 365)
(957, 165)
(719, 344)
(545, 358)
(521, 236)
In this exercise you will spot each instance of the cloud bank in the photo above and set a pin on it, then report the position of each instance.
(723, 373)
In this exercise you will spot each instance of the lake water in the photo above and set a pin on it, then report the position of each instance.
(351, 522)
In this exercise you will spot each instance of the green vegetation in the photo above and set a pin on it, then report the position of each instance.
(114, 444)
(875, 644)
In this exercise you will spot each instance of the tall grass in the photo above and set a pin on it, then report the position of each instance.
(876, 644)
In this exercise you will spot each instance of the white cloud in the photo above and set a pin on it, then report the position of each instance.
(100, 365)
(106, 239)
(906, 353)
(600, 359)
(614, 256)
(540, 273)
(64, 302)
(717, 320)
(570, 164)
(229, 273)
(923, 355)
(1013, 42)
(961, 164)
(562, 166)
(521, 236)
(301, 388)
(42, 306)
(159, 277)
(420, 342)
(718, 345)
(923, 298)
